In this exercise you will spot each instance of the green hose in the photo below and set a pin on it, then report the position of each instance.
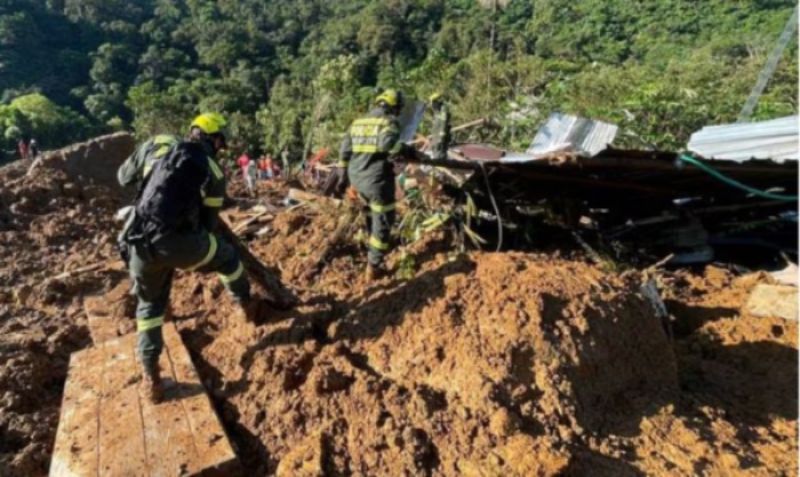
(718, 175)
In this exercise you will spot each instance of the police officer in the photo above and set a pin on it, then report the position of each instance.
(181, 191)
(365, 152)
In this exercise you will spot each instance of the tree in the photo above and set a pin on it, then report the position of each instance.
(295, 72)
(36, 116)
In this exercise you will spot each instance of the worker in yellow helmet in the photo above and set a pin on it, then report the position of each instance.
(181, 190)
(364, 162)
(440, 130)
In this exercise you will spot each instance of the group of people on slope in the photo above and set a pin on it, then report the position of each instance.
(263, 168)
(27, 149)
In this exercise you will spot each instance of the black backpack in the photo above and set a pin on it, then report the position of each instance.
(170, 199)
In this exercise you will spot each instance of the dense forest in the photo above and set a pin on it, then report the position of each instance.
(293, 73)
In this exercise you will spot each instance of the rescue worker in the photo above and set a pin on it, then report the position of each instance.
(440, 131)
(181, 191)
(33, 149)
(365, 152)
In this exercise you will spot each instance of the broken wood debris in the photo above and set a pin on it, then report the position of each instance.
(304, 196)
(640, 199)
(768, 301)
(248, 225)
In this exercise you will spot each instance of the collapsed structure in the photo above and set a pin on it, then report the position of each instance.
(634, 202)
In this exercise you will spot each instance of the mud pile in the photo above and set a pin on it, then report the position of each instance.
(481, 364)
(466, 368)
(50, 223)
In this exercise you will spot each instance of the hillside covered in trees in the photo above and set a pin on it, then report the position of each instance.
(291, 71)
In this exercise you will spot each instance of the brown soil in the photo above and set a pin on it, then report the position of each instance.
(48, 225)
(481, 364)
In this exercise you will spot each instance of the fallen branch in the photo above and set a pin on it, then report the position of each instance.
(460, 127)
(109, 264)
(591, 252)
(304, 196)
(652, 268)
(243, 225)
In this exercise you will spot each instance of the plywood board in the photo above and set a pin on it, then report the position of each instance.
(107, 428)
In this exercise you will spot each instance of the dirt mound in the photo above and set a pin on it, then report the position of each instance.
(452, 367)
(95, 160)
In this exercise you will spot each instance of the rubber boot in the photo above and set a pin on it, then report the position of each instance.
(151, 386)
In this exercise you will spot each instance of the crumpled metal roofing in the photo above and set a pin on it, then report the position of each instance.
(566, 133)
(409, 120)
(776, 139)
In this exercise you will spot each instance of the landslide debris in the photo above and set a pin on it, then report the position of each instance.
(497, 364)
(49, 223)
(481, 364)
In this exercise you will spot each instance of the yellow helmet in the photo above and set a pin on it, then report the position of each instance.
(209, 123)
(435, 97)
(391, 97)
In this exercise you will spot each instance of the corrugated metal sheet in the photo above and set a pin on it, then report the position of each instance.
(409, 120)
(563, 132)
(776, 139)
(517, 157)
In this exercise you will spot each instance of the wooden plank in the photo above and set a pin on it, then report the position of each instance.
(215, 456)
(108, 429)
(122, 443)
(169, 439)
(304, 196)
(244, 225)
(274, 291)
(102, 265)
(75, 451)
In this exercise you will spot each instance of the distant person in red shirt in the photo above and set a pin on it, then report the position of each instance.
(269, 167)
(263, 168)
(248, 172)
(312, 166)
(22, 146)
(242, 162)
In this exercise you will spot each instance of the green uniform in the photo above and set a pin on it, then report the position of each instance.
(440, 139)
(190, 246)
(138, 165)
(367, 146)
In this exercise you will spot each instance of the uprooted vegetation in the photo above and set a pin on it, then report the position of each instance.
(477, 364)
